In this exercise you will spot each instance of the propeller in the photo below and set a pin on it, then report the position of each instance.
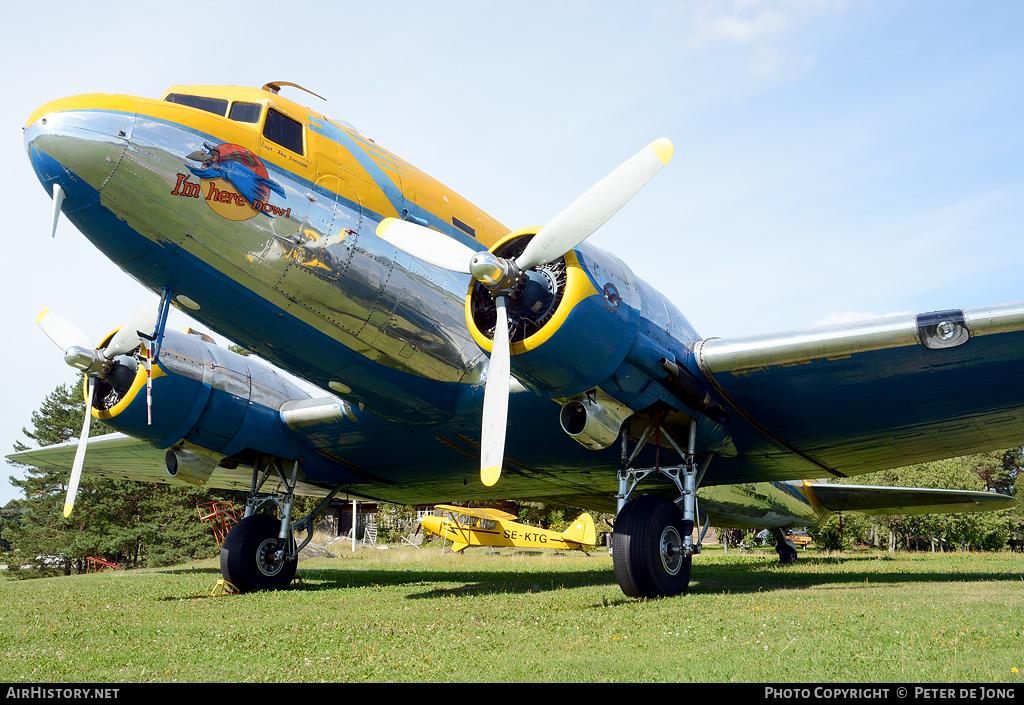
(502, 276)
(80, 353)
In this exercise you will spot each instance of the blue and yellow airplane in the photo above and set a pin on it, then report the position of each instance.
(484, 526)
(459, 360)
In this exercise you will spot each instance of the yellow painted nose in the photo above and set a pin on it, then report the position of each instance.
(432, 524)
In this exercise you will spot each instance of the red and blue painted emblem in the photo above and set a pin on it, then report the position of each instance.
(233, 181)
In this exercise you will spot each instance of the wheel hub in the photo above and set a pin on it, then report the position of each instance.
(269, 559)
(671, 550)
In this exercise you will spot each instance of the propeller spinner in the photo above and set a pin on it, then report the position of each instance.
(501, 276)
(80, 353)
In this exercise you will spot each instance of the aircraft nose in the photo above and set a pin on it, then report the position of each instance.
(432, 524)
(77, 143)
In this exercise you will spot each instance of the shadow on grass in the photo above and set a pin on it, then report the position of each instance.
(766, 575)
(758, 575)
(462, 582)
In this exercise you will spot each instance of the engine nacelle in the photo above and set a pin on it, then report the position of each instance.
(208, 403)
(568, 329)
(585, 330)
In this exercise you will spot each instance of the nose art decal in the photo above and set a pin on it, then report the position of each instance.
(235, 182)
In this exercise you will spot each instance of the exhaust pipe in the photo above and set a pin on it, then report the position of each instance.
(593, 419)
(193, 465)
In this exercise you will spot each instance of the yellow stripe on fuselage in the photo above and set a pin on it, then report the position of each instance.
(318, 163)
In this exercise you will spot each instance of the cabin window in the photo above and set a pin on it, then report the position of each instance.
(245, 112)
(217, 106)
(281, 129)
(463, 227)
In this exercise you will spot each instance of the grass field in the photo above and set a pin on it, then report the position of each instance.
(417, 615)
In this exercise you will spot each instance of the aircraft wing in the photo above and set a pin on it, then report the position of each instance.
(905, 500)
(852, 398)
(116, 456)
(479, 512)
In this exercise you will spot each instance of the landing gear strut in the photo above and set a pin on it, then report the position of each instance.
(260, 552)
(652, 547)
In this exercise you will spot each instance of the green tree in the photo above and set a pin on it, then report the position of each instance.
(968, 530)
(128, 523)
(393, 521)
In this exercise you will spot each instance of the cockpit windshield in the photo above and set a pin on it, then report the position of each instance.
(217, 106)
(240, 111)
(245, 112)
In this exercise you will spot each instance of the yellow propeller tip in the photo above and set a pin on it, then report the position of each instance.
(41, 314)
(663, 148)
(489, 476)
(384, 225)
(67, 509)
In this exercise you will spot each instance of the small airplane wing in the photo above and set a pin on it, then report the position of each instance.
(861, 499)
(852, 398)
(479, 512)
(116, 456)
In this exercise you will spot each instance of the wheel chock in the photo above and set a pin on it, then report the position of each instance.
(223, 587)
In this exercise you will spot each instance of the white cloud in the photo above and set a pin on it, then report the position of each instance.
(761, 28)
(736, 29)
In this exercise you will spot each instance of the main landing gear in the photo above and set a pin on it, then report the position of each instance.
(652, 546)
(260, 552)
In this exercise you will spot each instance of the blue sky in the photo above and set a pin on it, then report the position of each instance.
(833, 159)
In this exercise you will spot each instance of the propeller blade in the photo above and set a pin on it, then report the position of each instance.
(127, 338)
(599, 203)
(83, 441)
(431, 246)
(61, 331)
(495, 419)
(58, 199)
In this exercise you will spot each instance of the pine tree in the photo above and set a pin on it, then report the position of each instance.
(129, 523)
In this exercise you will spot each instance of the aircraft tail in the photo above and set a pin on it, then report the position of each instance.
(581, 531)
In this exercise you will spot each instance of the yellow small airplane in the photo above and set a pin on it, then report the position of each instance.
(492, 527)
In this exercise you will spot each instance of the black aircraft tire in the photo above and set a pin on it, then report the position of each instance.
(787, 554)
(245, 556)
(647, 548)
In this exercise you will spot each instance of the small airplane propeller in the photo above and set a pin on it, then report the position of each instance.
(80, 353)
(564, 233)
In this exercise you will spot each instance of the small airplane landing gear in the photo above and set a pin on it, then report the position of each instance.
(652, 546)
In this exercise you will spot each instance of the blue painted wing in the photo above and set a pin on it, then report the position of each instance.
(853, 398)
(888, 501)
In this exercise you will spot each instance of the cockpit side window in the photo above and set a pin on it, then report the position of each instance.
(217, 106)
(281, 129)
(245, 112)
